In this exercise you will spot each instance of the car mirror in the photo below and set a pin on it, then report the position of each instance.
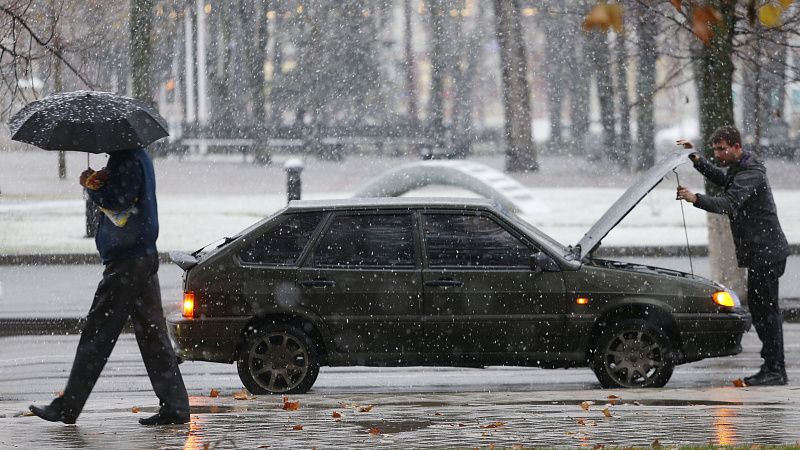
(540, 262)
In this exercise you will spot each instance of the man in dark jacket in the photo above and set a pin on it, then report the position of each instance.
(760, 243)
(126, 240)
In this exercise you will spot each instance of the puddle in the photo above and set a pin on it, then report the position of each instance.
(394, 426)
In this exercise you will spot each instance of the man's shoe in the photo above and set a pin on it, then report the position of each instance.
(54, 412)
(163, 418)
(764, 378)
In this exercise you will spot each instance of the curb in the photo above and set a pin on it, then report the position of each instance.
(603, 252)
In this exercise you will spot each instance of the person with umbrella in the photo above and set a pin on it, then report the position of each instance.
(126, 240)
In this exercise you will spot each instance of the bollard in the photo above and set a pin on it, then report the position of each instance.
(293, 167)
(92, 218)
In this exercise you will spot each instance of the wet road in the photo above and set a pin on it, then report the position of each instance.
(413, 407)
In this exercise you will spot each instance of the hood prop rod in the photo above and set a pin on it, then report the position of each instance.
(685, 230)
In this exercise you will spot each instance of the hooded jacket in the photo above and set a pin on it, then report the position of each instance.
(131, 187)
(747, 201)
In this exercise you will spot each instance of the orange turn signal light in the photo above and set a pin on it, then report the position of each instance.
(188, 304)
(582, 300)
(723, 298)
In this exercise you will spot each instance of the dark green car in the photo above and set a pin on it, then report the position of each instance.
(452, 282)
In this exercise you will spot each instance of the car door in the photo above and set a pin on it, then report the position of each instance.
(364, 278)
(481, 297)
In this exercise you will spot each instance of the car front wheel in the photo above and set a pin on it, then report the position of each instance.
(278, 360)
(633, 353)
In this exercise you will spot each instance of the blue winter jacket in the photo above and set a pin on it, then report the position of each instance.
(131, 183)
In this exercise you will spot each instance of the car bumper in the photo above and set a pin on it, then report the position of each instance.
(204, 339)
(709, 335)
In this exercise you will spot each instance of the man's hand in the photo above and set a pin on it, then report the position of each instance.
(686, 194)
(85, 175)
(685, 144)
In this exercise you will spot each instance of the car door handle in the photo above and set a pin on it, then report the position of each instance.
(444, 283)
(318, 283)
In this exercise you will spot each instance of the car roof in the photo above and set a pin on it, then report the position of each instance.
(392, 203)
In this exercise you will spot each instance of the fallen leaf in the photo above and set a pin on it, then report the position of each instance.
(598, 446)
(26, 414)
(606, 412)
(367, 408)
(297, 428)
(585, 405)
(491, 446)
(437, 414)
(655, 444)
(291, 406)
(214, 393)
(135, 410)
(375, 431)
(581, 422)
(493, 425)
(770, 15)
(460, 425)
(336, 415)
(636, 403)
(240, 395)
(612, 397)
(517, 447)
(263, 446)
(739, 383)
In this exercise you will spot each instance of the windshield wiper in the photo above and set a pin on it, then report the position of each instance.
(225, 241)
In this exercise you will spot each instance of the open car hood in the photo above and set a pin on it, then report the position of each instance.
(626, 202)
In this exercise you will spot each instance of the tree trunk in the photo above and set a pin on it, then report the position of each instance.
(605, 91)
(714, 63)
(140, 29)
(58, 85)
(520, 152)
(624, 147)
(411, 91)
(437, 76)
(646, 30)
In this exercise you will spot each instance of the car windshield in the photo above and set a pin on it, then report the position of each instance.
(538, 234)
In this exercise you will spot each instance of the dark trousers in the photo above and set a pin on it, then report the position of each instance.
(762, 299)
(129, 289)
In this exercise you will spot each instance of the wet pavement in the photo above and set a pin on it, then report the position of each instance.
(411, 407)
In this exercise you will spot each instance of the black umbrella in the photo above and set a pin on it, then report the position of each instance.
(88, 121)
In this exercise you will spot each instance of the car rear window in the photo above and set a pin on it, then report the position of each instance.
(457, 240)
(282, 244)
(374, 240)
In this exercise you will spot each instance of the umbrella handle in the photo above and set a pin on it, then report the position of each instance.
(87, 161)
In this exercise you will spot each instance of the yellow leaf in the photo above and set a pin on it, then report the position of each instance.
(240, 395)
(585, 405)
(786, 3)
(493, 425)
(135, 410)
(606, 412)
(770, 15)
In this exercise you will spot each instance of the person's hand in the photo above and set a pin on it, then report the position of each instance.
(85, 175)
(685, 144)
(686, 194)
(694, 157)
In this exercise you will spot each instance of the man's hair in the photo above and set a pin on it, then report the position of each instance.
(727, 133)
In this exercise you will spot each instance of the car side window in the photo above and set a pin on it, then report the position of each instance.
(282, 244)
(458, 240)
(373, 240)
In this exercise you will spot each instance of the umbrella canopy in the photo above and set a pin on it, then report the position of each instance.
(88, 121)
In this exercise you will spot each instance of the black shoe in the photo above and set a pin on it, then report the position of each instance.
(766, 378)
(163, 418)
(54, 412)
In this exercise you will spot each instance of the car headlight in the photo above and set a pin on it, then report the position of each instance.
(726, 298)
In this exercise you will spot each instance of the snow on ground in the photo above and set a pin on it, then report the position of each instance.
(201, 201)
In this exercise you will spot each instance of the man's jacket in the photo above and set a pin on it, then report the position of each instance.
(131, 187)
(748, 203)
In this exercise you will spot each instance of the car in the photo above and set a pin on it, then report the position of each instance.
(435, 281)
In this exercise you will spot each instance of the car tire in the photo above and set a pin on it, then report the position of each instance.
(632, 353)
(279, 359)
